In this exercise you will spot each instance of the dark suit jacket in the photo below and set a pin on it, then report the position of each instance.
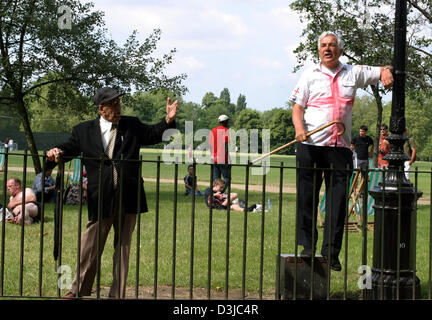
(131, 135)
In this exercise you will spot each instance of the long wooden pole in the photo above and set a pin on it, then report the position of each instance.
(307, 135)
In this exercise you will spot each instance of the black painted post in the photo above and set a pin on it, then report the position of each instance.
(393, 271)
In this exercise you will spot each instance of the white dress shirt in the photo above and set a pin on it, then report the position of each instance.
(105, 127)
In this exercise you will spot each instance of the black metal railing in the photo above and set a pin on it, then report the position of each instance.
(246, 243)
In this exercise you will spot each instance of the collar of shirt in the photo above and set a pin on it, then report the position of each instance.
(319, 67)
(105, 127)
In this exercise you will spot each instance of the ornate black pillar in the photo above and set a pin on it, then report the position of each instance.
(393, 270)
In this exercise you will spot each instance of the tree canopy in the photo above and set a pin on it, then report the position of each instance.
(43, 61)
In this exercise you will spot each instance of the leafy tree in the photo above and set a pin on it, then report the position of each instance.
(209, 117)
(419, 122)
(267, 116)
(34, 43)
(148, 106)
(249, 119)
(241, 103)
(246, 120)
(208, 99)
(364, 113)
(225, 95)
(426, 153)
(141, 104)
(188, 111)
(419, 55)
(282, 130)
(8, 117)
(69, 108)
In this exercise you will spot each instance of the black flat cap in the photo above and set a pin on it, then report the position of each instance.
(106, 94)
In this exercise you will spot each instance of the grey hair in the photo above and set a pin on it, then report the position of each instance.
(339, 41)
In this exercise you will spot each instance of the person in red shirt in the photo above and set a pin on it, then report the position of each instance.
(384, 147)
(219, 138)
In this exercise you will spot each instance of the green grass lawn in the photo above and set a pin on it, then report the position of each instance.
(261, 232)
(239, 172)
(183, 257)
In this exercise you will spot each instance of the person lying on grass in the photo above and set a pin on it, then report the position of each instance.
(221, 200)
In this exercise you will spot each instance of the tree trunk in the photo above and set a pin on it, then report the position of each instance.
(378, 100)
(29, 134)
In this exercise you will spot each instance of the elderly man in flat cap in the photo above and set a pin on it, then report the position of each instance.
(111, 136)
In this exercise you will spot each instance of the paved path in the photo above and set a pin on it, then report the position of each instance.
(252, 187)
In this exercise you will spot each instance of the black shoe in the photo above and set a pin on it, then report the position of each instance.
(335, 264)
(251, 208)
(307, 252)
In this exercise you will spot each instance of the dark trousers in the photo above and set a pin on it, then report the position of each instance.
(341, 158)
(224, 170)
(49, 196)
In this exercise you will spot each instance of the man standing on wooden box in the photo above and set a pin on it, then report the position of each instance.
(326, 93)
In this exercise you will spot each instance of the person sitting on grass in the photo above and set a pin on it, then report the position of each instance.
(45, 186)
(15, 205)
(220, 199)
(189, 182)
